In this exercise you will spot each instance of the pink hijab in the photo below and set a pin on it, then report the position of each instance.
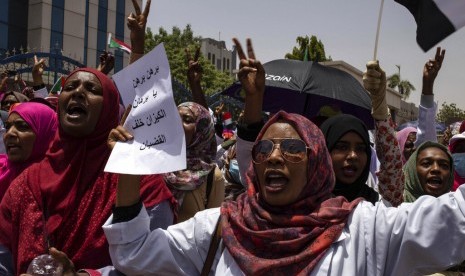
(43, 122)
(402, 136)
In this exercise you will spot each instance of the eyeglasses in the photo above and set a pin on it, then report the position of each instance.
(292, 150)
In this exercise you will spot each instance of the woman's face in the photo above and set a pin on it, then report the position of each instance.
(18, 138)
(8, 102)
(433, 169)
(188, 123)
(80, 104)
(409, 146)
(349, 157)
(281, 182)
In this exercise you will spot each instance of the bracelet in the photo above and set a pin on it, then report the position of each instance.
(38, 87)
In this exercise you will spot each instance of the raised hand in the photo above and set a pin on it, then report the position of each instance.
(430, 71)
(37, 71)
(252, 77)
(194, 70)
(194, 76)
(374, 81)
(136, 24)
(219, 110)
(251, 72)
(107, 62)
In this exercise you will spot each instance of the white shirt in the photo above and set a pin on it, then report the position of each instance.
(414, 239)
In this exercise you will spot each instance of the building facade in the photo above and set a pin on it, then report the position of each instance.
(77, 29)
(216, 52)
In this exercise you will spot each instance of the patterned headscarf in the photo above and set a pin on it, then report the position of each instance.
(200, 154)
(413, 189)
(402, 136)
(290, 240)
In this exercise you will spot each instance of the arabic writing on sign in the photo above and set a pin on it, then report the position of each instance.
(151, 119)
(160, 139)
(141, 80)
(142, 100)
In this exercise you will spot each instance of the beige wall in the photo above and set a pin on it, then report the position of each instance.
(38, 36)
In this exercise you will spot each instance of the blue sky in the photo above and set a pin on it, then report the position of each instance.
(346, 27)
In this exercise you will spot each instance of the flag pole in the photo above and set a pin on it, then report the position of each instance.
(378, 29)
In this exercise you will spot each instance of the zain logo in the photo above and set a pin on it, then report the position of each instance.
(278, 78)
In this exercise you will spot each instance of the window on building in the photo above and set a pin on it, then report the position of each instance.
(209, 56)
(213, 59)
(224, 64)
(227, 64)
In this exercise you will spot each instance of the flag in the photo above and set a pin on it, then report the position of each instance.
(306, 54)
(115, 43)
(56, 88)
(436, 19)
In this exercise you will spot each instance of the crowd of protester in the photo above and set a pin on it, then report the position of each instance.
(259, 196)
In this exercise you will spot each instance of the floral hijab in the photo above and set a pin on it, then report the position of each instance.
(290, 240)
(200, 154)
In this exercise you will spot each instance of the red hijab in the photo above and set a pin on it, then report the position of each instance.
(287, 240)
(67, 197)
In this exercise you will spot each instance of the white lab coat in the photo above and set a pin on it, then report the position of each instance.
(413, 239)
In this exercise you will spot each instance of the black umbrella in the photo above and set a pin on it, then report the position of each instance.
(310, 89)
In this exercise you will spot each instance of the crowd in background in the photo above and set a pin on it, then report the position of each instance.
(273, 194)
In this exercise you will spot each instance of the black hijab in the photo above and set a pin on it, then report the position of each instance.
(333, 129)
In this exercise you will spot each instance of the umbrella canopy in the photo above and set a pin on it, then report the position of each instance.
(310, 89)
(440, 127)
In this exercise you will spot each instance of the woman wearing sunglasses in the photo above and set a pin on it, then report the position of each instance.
(288, 222)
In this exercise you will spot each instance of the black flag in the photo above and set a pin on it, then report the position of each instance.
(436, 19)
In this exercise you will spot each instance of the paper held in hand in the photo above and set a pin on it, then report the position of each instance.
(159, 145)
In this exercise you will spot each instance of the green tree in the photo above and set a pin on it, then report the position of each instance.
(450, 113)
(310, 46)
(403, 86)
(175, 44)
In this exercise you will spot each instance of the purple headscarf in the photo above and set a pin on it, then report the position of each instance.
(402, 136)
(43, 122)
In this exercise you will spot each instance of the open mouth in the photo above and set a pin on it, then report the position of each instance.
(275, 181)
(76, 110)
(12, 147)
(434, 182)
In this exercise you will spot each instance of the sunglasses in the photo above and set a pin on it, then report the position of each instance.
(292, 150)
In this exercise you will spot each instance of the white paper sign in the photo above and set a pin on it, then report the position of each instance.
(159, 145)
